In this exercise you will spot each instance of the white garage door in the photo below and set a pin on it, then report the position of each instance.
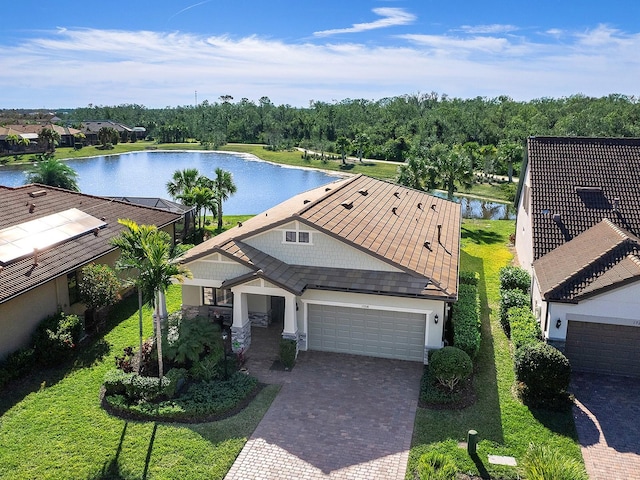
(358, 331)
(603, 348)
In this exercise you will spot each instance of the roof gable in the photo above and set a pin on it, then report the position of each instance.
(601, 258)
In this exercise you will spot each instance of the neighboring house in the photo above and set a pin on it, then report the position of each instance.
(358, 266)
(577, 233)
(91, 128)
(46, 236)
(183, 227)
(31, 132)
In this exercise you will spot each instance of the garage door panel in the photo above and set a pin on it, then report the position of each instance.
(367, 332)
(603, 348)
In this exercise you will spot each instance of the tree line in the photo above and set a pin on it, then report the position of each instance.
(381, 129)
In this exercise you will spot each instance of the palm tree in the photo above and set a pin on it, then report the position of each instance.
(343, 144)
(182, 181)
(449, 166)
(51, 137)
(223, 189)
(510, 152)
(201, 197)
(150, 252)
(54, 173)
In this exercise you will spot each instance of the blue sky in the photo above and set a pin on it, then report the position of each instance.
(69, 53)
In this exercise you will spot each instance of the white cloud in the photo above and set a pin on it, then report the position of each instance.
(74, 67)
(494, 28)
(391, 17)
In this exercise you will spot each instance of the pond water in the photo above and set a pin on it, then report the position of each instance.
(261, 185)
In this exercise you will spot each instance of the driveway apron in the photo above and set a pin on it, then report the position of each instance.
(607, 416)
(336, 417)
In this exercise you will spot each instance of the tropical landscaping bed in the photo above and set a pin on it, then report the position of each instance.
(52, 424)
(505, 426)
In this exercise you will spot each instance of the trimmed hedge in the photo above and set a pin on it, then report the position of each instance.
(466, 320)
(450, 366)
(288, 352)
(544, 373)
(509, 299)
(512, 277)
(525, 329)
(469, 278)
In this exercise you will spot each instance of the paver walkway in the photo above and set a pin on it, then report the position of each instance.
(607, 416)
(336, 417)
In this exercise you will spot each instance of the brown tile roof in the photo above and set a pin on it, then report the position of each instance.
(575, 183)
(20, 276)
(601, 258)
(385, 220)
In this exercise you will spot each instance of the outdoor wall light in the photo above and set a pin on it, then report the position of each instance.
(435, 319)
(558, 323)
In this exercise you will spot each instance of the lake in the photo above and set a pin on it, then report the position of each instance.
(261, 185)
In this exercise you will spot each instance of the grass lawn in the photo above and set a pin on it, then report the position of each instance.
(504, 425)
(52, 425)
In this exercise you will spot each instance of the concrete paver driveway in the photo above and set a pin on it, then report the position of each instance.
(607, 415)
(338, 417)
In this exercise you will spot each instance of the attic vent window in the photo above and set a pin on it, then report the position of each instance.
(587, 189)
(38, 193)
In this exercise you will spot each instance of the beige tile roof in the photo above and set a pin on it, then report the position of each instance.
(603, 257)
(411, 230)
(20, 276)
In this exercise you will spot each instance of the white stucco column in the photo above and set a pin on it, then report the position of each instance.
(290, 331)
(241, 326)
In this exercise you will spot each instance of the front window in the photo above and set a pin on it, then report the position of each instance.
(72, 286)
(217, 296)
(290, 237)
(303, 237)
(297, 236)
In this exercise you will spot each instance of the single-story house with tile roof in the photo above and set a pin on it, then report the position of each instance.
(359, 266)
(47, 235)
(577, 233)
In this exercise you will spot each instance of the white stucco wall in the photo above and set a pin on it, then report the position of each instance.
(617, 307)
(429, 308)
(323, 251)
(524, 231)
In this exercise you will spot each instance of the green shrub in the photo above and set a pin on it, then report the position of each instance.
(206, 368)
(116, 381)
(288, 352)
(188, 340)
(466, 320)
(17, 364)
(146, 388)
(544, 373)
(450, 366)
(98, 286)
(177, 377)
(430, 394)
(469, 278)
(512, 277)
(436, 466)
(545, 463)
(56, 336)
(509, 299)
(525, 329)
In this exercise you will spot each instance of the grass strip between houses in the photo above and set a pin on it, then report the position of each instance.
(52, 425)
(504, 425)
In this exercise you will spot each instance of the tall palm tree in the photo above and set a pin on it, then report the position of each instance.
(50, 137)
(182, 181)
(54, 173)
(450, 166)
(223, 189)
(201, 197)
(149, 251)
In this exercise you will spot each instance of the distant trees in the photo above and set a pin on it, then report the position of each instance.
(108, 136)
(50, 138)
(54, 173)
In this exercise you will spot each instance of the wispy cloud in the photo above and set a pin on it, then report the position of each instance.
(494, 28)
(74, 67)
(391, 17)
(189, 8)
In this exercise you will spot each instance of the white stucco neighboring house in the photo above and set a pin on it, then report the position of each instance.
(358, 266)
(577, 233)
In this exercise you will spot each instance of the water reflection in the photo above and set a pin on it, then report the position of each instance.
(484, 209)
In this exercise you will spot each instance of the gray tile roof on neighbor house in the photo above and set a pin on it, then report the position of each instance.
(577, 182)
(599, 259)
(31, 202)
(408, 229)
